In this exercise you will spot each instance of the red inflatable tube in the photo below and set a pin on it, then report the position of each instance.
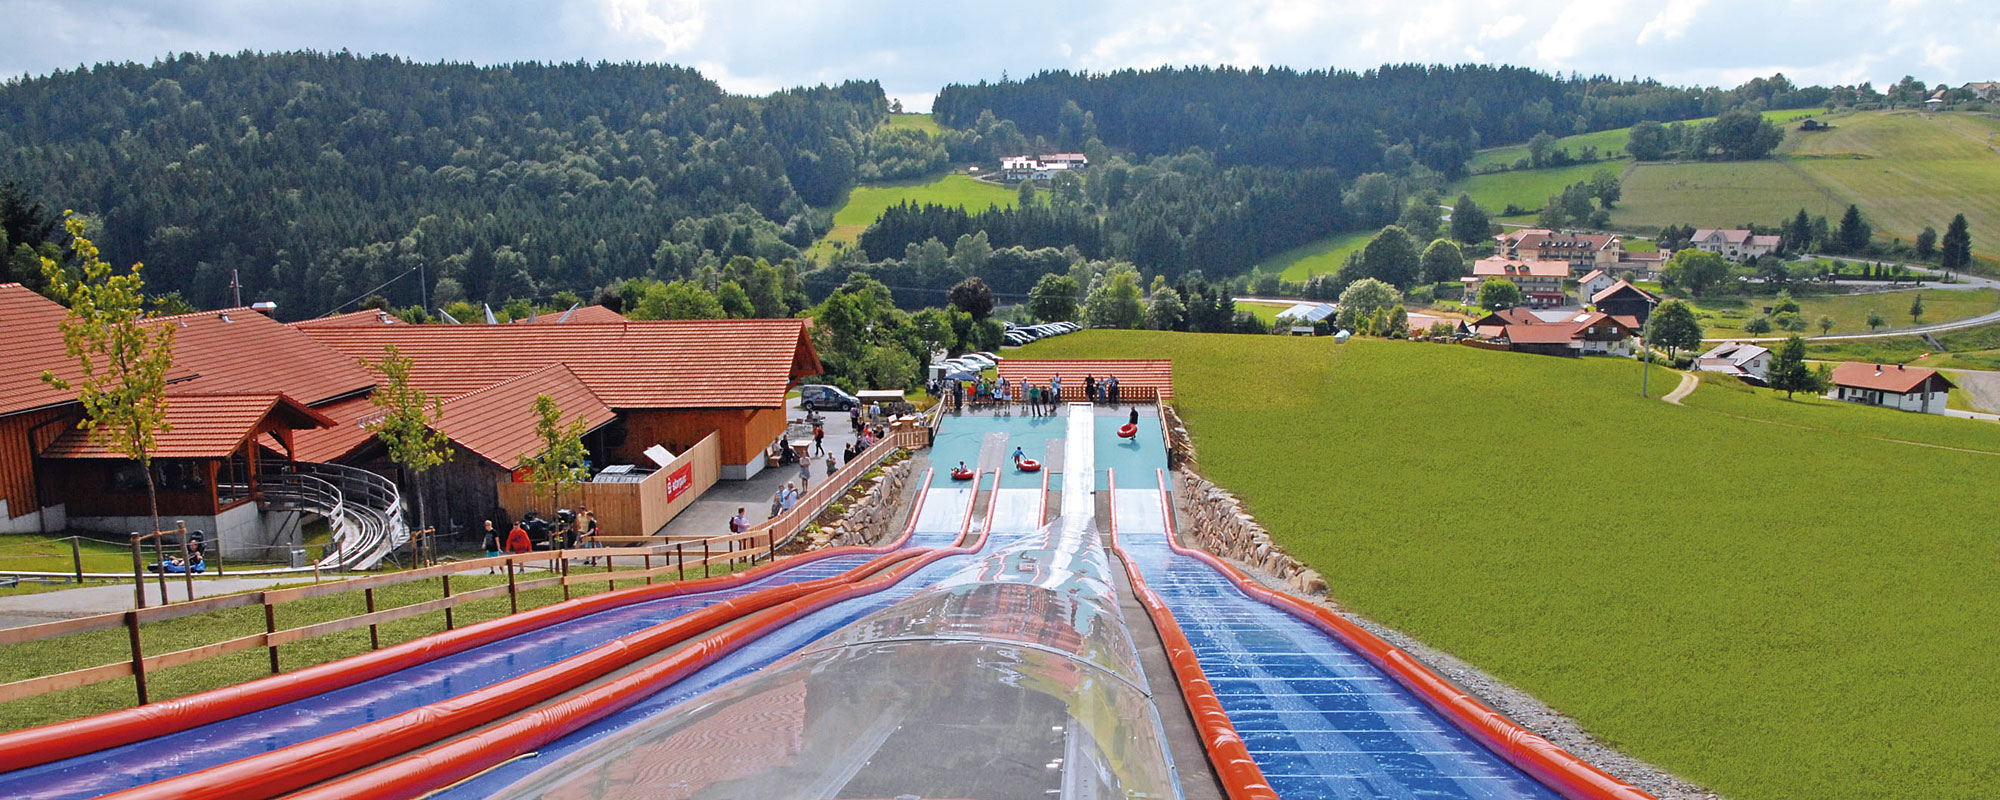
(1029, 465)
(1541, 759)
(35, 746)
(415, 774)
(962, 474)
(1128, 430)
(290, 768)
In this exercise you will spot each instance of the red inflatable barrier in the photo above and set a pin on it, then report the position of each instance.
(1541, 759)
(1029, 465)
(35, 746)
(1128, 430)
(291, 768)
(414, 774)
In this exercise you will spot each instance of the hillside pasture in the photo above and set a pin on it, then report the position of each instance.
(915, 122)
(863, 205)
(1718, 194)
(1323, 257)
(1849, 311)
(1752, 605)
(1530, 188)
(1907, 170)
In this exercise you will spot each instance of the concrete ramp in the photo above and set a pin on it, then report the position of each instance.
(1138, 511)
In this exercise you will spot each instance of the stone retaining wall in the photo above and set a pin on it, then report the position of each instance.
(869, 518)
(1214, 520)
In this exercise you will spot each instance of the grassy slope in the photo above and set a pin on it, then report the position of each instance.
(865, 204)
(1607, 142)
(1321, 257)
(1718, 194)
(1907, 170)
(918, 122)
(1759, 607)
(1972, 348)
(1850, 311)
(1526, 188)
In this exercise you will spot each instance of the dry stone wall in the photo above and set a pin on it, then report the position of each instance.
(869, 518)
(1214, 520)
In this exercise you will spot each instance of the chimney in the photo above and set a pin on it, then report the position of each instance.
(1899, 368)
(267, 308)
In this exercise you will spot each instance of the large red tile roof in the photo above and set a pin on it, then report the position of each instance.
(668, 364)
(1885, 377)
(364, 317)
(201, 426)
(1155, 374)
(348, 432)
(34, 344)
(497, 423)
(240, 350)
(1496, 267)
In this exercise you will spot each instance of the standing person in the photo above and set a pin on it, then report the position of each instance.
(1090, 387)
(819, 439)
(589, 525)
(1135, 416)
(1018, 455)
(1034, 400)
(830, 466)
(777, 503)
(491, 544)
(805, 475)
(791, 496)
(739, 523)
(1055, 387)
(1113, 392)
(854, 418)
(518, 543)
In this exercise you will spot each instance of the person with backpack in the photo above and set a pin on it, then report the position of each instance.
(491, 544)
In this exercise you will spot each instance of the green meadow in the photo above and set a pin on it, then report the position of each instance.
(1725, 316)
(1528, 188)
(1322, 257)
(865, 204)
(915, 122)
(1757, 594)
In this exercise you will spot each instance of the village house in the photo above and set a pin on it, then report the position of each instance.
(1740, 359)
(1592, 282)
(1579, 333)
(1626, 301)
(1541, 282)
(1421, 324)
(1582, 251)
(1040, 168)
(1984, 90)
(1891, 386)
(1734, 244)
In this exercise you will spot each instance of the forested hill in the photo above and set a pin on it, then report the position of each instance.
(1351, 121)
(320, 176)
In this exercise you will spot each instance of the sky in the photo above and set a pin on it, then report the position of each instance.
(914, 47)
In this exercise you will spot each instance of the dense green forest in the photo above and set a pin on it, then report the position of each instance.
(322, 177)
(1352, 122)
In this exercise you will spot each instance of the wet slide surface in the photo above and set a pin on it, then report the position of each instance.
(1318, 718)
(281, 726)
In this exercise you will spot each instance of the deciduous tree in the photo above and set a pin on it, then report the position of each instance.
(1442, 261)
(559, 464)
(1695, 270)
(1674, 326)
(1054, 298)
(1391, 257)
(122, 362)
(408, 427)
(1790, 372)
(972, 296)
(1469, 223)
(1498, 293)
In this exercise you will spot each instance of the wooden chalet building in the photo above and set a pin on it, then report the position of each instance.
(1622, 299)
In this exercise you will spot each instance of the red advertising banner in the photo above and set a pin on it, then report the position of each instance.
(678, 482)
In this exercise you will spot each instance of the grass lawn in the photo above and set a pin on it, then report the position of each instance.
(1323, 257)
(1607, 142)
(865, 204)
(1907, 170)
(1268, 312)
(1970, 348)
(1751, 605)
(1718, 194)
(1526, 188)
(1725, 316)
(34, 552)
(20, 661)
(915, 122)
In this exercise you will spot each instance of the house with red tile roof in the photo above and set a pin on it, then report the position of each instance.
(1895, 386)
(1541, 282)
(1734, 244)
(249, 395)
(1579, 333)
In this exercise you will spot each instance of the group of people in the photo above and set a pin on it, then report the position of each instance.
(567, 532)
(874, 412)
(1038, 400)
(785, 499)
(195, 561)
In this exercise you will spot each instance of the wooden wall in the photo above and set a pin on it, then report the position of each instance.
(626, 509)
(744, 432)
(17, 456)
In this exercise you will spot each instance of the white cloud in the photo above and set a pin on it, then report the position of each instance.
(1941, 55)
(1572, 28)
(1672, 22)
(1502, 28)
(674, 24)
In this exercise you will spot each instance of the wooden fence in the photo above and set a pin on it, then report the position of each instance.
(647, 563)
(629, 509)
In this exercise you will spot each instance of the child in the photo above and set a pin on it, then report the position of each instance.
(1018, 455)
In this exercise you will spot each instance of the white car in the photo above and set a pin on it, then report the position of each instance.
(1017, 338)
(989, 357)
(975, 358)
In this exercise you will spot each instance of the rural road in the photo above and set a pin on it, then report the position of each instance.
(1964, 282)
(1688, 384)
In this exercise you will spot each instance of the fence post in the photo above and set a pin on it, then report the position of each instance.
(138, 575)
(271, 627)
(513, 595)
(771, 536)
(563, 571)
(138, 655)
(681, 559)
(374, 635)
(649, 564)
(187, 569)
(447, 593)
(76, 557)
(704, 556)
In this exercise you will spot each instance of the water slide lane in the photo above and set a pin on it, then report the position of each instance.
(270, 729)
(1318, 718)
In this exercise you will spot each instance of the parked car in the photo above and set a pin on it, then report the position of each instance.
(989, 357)
(982, 361)
(819, 397)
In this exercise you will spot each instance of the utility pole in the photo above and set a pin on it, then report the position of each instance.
(423, 287)
(1646, 341)
(235, 290)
